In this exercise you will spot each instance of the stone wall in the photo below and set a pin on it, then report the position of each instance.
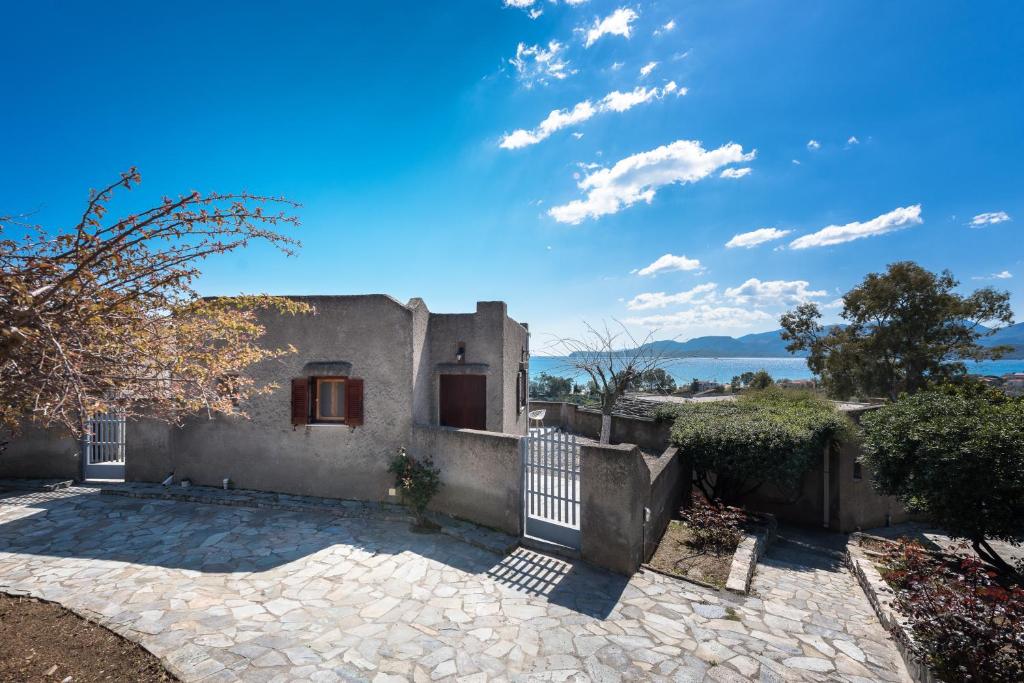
(647, 433)
(614, 486)
(481, 473)
(669, 475)
(41, 454)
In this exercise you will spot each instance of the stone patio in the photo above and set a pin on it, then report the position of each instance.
(233, 593)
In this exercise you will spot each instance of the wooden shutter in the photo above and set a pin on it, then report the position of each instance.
(353, 401)
(300, 401)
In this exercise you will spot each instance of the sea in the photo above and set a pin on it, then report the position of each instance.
(684, 370)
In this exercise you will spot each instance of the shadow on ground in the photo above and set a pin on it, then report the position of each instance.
(222, 539)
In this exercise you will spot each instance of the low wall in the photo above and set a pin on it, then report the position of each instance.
(481, 473)
(41, 454)
(667, 475)
(648, 434)
(614, 485)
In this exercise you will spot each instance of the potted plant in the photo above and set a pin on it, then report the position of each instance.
(417, 481)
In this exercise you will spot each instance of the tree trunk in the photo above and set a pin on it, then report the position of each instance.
(606, 427)
(992, 558)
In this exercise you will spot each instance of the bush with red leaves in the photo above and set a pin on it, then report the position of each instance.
(968, 625)
(714, 526)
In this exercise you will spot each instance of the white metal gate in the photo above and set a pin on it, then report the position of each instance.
(104, 446)
(551, 472)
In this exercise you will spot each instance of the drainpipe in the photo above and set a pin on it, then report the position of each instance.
(825, 501)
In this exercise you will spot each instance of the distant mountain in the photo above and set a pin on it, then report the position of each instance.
(771, 345)
(1008, 336)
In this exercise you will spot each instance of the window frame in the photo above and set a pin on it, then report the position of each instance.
(317, 418)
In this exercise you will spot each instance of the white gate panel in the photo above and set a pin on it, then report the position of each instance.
(104, 446)
(551, 472)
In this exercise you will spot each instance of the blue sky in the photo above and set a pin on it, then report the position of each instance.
(420, 139)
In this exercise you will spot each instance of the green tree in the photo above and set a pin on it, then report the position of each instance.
(656, 381)
(905, 328)
(760, 380)
(550, 387)
(956, 455)
(771, 436)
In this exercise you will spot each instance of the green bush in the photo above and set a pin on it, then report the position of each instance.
(770, 436)
(955, 454)
(418, 481)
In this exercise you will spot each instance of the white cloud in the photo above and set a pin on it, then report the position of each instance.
(647, 68)
(813, 144)
(756, 237)
(896, 219)
(835, 303)
(1002, 275)
(735, 172)
(577, 135)
(648, 300)
(535, 64)
(616, 66)
(852, 140)
(754, 292)
(618, 23)
(669, 262)
(639, 177)
(667, 27)
(991, 218)
(705, 315)
(563, 118)
(796, 162)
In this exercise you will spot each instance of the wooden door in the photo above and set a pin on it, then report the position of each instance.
(464, 401)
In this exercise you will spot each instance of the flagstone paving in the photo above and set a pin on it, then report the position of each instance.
(229, 593)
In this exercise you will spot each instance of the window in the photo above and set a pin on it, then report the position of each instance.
(329, 399)
(522, 388)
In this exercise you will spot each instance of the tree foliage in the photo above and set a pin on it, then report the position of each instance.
(905, 327)
(955, 454)
(551, 387)
(655, 381)
(771, 436)
(103, 315)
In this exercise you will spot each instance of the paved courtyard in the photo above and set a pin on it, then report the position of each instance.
(227, 593)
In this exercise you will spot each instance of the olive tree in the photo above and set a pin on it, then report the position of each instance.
(957, 456)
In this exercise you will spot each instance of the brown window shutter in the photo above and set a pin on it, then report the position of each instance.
(353, 401)
(300, 401)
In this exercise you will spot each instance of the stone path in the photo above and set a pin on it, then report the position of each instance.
(230, 593)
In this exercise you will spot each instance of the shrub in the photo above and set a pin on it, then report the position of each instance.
(955, 454)
(968, 626)
(770, 436)
(714, 526)
(418, 481)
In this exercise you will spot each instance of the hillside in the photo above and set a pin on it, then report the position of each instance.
(771, 345)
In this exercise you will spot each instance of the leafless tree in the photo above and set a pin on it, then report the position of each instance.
(613, 358)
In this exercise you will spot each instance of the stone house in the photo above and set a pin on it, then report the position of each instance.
(367, 370)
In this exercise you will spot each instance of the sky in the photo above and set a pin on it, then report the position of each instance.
(690, 168)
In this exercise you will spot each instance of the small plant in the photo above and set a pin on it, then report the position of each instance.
(969, 625)
(418, 481)
(714, 526)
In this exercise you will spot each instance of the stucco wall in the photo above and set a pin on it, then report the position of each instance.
(646, 433)
(481, 473)
(41, 454)
(668, 475)
(374, 334)
(614, 486)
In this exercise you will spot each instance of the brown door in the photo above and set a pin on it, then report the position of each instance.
(464, 401)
